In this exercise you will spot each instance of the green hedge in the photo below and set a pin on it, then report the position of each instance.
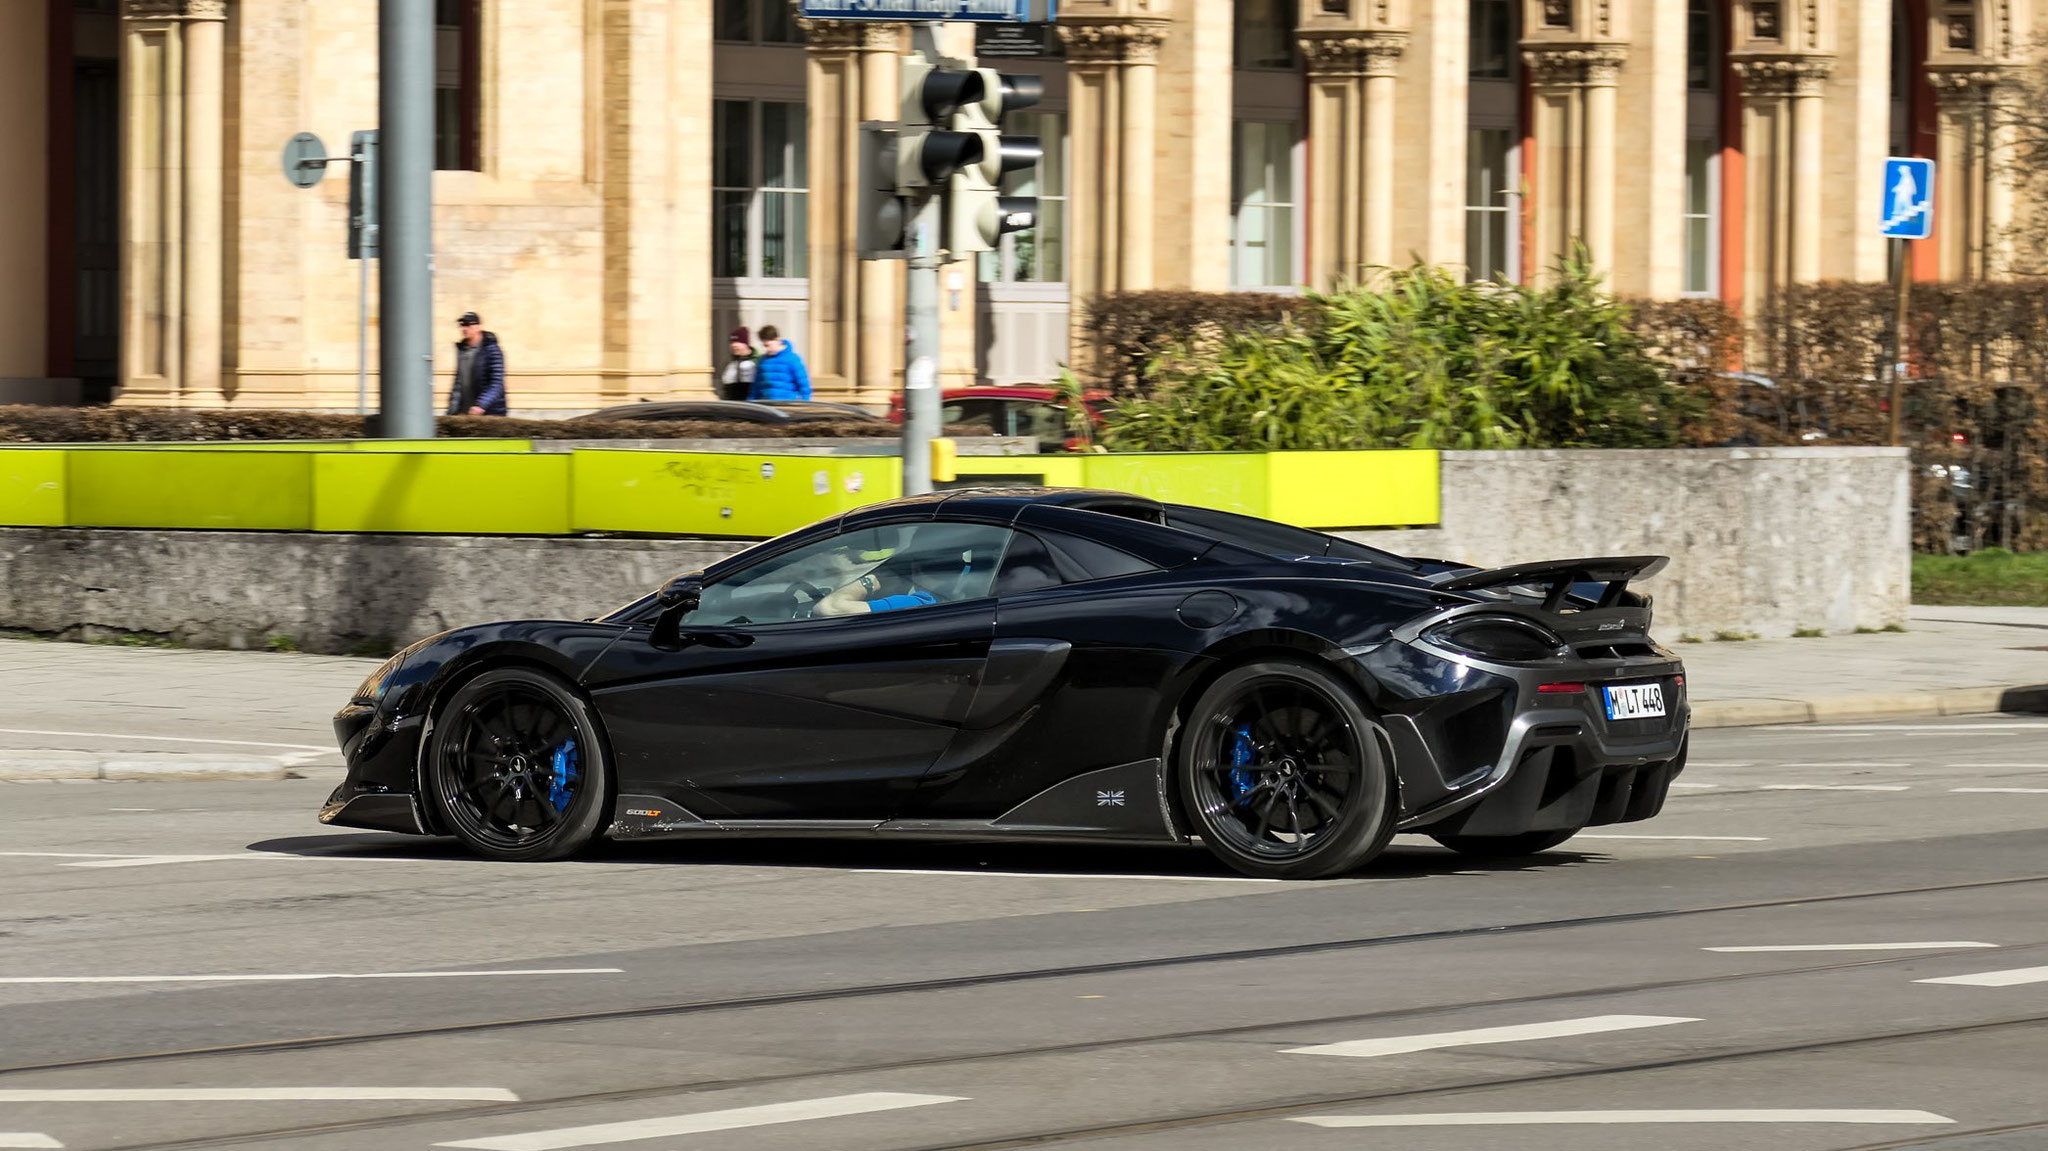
(56, 425)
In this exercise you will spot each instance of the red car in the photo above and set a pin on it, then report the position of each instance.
(1011, 411)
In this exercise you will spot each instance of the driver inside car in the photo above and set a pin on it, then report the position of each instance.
(857, 586)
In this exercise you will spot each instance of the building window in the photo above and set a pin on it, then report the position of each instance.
(457, 85)
(1699, 46)
(1702, 171)
(1037, 255)
(1262, 204)
(1493, 38)
(1490, 200)
(755, 22)
(1262, 34)
(759, 195)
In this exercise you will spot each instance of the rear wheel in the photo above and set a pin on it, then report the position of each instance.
(1505, 846)
(515, 767)
(1280, 771)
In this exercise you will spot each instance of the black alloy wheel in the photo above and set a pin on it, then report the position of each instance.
(515, 767)
(1283, 775)
(1505, 846)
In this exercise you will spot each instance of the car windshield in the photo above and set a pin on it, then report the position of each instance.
(883, 568)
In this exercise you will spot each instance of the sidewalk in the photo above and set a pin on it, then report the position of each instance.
(230, 713)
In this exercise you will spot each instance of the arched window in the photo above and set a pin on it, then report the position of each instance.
(1493, 144)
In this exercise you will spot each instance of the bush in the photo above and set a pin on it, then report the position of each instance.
(1424, 362)
(1126, 331)
(52, 425)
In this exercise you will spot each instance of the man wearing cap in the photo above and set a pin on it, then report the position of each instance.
(737, 381)
(479, 371)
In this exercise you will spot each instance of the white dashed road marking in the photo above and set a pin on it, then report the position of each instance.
(1938, 946)
(1834, 787)
(1403, 1044)
(1061, 875)
(738, 1117)
(1503, 1118)
(1844, 763)
(296, 977)
(26, 1139)
(1999, 790)
(1686, 838)
(256, 1094)
(2012, 978)
(166, 739)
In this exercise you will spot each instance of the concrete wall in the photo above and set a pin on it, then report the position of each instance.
(329, 593)
(1763, 540)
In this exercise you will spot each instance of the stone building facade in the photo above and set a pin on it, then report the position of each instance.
(624, 181)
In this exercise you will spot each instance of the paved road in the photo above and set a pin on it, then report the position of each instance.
(233, 973)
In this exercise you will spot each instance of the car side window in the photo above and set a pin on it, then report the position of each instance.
(891, 567)
(1047, 559)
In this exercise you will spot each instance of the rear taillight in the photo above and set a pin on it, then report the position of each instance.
(1561, 688)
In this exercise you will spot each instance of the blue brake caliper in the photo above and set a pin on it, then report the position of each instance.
(562, 775)
(1242, 752)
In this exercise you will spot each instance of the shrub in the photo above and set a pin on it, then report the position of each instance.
(1125, 331)
(1424, 362)
(54, 425)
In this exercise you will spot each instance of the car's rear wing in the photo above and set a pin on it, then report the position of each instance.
(1558, 577)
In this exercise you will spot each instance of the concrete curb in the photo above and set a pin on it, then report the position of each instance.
(33, 766)
(2024, 698)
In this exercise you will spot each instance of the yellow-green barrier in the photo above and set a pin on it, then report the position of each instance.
(443, 446)
(720, 493)
(32, 488)
(468, 491)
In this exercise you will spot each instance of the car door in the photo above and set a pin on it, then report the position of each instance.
(766, 711)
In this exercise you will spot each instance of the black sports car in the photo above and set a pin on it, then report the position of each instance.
(1060, 665)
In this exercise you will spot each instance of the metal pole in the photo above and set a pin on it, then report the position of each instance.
(405, 200)
(1899, 340)
(921, 317)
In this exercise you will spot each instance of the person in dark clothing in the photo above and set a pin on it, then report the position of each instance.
(479, 371)
(736, 382)
(780, 375)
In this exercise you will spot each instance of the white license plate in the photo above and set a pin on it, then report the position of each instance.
(1635, 701)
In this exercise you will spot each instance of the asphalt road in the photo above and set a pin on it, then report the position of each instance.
(202, 965)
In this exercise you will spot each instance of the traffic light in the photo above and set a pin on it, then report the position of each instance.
(884, 215)
(927, 150)
(977, 213)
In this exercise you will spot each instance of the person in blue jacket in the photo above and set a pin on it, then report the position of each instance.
(780, 375)
(479, 371)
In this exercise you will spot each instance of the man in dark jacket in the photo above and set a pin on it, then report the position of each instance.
(479, 371)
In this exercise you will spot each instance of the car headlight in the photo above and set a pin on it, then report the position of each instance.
(1509, 638)
(375, 684)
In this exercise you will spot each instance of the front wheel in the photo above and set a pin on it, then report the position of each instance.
(1505, 846)
(1280, 770)
(515, 766)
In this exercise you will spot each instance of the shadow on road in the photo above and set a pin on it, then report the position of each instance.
(1401, 861)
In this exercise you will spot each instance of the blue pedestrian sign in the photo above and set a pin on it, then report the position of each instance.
(1908, 211)
(918, 11)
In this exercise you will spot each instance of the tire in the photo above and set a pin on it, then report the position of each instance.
(516, 767)
(1505, 846)
(1296, 736)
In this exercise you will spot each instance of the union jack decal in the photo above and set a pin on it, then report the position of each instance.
(1109, 799)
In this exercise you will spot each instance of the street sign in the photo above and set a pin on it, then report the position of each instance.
(305, 160)
(1012, 41)
(1908, 209)
(920, 11)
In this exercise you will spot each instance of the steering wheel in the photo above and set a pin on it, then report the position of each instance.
(810, 589)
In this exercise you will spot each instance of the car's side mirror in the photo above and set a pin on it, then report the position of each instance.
(677, 598)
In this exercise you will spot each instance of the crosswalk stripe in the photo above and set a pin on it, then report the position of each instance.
(737, 1117)
(27, 1139)
(2010, 978)
(1403, 1044)
(1502, 1118)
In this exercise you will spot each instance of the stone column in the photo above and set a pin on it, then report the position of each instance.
(205, 87)
(1112, 47)
(834, 97)
(1972, 200)
(1351, 144)
(1783, 146)
(1574, 130)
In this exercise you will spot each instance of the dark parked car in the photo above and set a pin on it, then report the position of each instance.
(1055, 665)
(740, 411)
(1011, 410)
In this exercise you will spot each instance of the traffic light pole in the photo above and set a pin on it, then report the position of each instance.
(405, 191)
(921, 318)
